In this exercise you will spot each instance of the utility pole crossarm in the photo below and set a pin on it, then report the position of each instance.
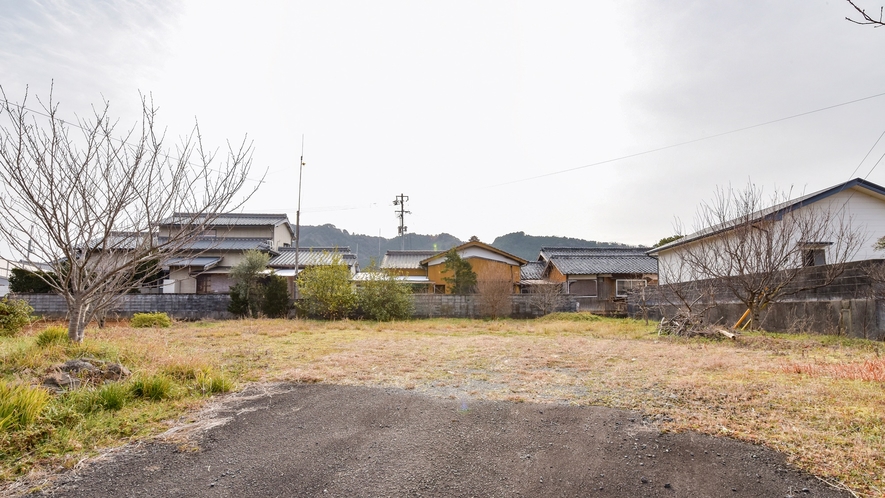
(400, 201)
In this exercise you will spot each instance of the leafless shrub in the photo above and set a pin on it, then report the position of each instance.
(494, 298)
(546, 297)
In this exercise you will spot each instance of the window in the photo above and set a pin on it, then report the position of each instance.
(814, 257)
(624, 287)
(582, 288)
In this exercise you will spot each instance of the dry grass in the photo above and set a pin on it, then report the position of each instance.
(759, 388)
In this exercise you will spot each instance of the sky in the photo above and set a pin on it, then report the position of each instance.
(608, 121)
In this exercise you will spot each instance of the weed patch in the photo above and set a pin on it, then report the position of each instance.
(51, 336)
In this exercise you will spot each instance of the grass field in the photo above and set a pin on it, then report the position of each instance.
(819, 399)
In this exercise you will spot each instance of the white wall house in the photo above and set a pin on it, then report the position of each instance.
(203, 266)
(856, 207)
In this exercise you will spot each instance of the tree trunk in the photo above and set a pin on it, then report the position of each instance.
(77, 321)
(76, 327)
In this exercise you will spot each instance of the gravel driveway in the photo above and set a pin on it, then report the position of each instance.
(337, 441)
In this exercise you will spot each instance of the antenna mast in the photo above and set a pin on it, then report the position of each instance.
(400, 201)
(298, 217)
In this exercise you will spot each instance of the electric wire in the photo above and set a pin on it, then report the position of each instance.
(680, 144)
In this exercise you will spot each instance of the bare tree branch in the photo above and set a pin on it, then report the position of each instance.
(87, 198)
(756, 248)
(867, 19)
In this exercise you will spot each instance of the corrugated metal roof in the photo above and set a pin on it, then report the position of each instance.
(204, 262)
(229, 219)
(405, 260)
(533, 270)
(314, 256)
(228, 244)
(120, 241)
(774, 212)
(601, 264)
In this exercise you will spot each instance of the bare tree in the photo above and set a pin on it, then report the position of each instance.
(756, 247)
(495, 297)
(86, 198)
(682, 304)
(866, 18)
(546, 297)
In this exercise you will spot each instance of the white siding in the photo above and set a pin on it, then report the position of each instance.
(864, 211)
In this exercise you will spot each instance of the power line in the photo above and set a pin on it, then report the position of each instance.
(687, 142)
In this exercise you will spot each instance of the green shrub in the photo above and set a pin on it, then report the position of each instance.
(113, 396)
(144, 320)
(52, 335)
(276, 297)
(155, 387)
(582, 316)
(20, 405)
(14, 315)
(21, 280)
(382, 298)
(209, 382)
(326, 291)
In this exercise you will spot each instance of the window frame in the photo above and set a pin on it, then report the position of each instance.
(618, 281)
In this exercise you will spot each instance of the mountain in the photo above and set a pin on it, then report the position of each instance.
(372, 247)
(528, 246)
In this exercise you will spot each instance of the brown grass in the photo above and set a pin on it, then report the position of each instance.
(756, 389)
(870, 370)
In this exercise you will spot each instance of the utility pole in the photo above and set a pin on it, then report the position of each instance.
(298, 218)
(400, 201)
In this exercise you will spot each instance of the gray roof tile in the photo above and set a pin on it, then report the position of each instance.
(533, 270)
(600, 264)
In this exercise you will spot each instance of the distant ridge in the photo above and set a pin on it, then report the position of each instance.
(373, 247)
(528, 246)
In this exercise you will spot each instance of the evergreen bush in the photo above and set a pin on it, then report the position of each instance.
(145, 320)
(14, 315)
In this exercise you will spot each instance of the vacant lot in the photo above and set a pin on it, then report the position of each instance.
(819, 399)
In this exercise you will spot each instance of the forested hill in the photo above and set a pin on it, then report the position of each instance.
(528, 246)
(372, 247)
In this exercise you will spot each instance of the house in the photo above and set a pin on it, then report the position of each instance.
(406, 267)
(203, 266)
(489, 263)
(425, 270)
(857, 204)
(289, 261)
(598, 275)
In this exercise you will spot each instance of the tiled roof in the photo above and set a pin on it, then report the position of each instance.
(313, 256)
(230, 219)
(551, 252)
(605, 263)
(404, 260)
(533, 270)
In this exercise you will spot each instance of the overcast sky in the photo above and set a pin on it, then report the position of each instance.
(465, 106)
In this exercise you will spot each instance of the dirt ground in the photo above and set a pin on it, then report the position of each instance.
(326, 440)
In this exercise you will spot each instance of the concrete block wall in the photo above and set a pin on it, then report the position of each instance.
(851, 305)
(178, 306)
